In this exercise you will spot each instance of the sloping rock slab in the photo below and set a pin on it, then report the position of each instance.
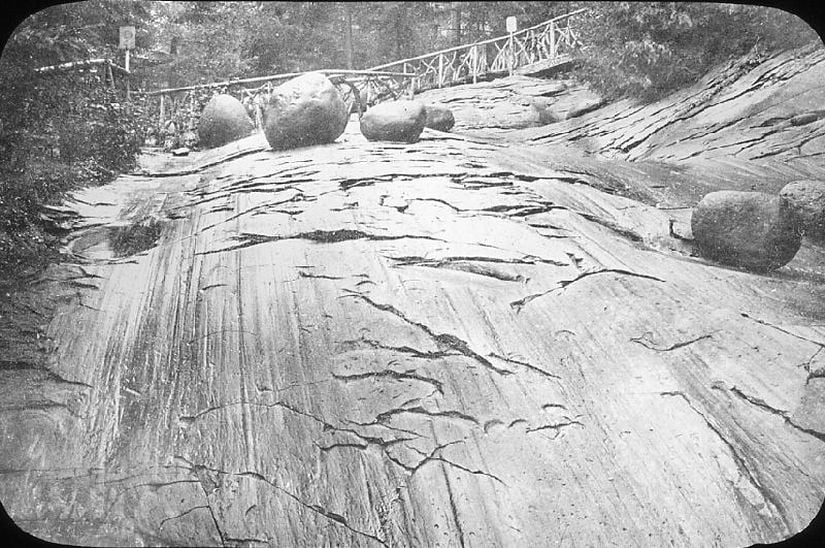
(388, 345)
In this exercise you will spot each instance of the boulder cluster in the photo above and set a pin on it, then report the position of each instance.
(759, 231)
(309, 110)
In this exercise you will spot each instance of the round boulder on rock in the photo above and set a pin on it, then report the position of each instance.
(440, 118)
(223, 120)
(807, 199)
(401, 121)
(305, 111)
(751, 230)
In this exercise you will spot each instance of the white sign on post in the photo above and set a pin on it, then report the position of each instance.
(127, 42)
(512, 24)
(127, 38)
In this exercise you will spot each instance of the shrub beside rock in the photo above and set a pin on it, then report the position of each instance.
(305, 111)
(439, 118)
(751, 230)
(223, 120)
(807, 199)
(394, 121)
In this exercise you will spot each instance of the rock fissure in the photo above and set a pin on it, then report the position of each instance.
(408, 375)
(445, 341)
(529, 366)
(563, 284)
(821, 344)
(644, 341)
(741, 463)
(315, 508)
(321, 236)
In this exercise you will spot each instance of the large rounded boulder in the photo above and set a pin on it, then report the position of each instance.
(223, 120)
(807, 199)
(751, 230)
(305, 111)
(397, 121)
(440, 118)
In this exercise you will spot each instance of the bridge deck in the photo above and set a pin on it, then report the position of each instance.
(545, 65)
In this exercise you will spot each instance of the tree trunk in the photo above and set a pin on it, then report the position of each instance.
(348, 34)
(456, 23)
(401, 34)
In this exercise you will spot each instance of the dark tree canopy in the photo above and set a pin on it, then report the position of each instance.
(641, 48)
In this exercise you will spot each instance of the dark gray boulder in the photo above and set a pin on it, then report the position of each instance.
(751, 230)
(305, 111)
(440, 118)
(223, 120)
(807, 199)
(399, 121)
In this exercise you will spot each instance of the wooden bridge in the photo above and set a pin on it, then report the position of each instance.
(534, 49)
(541, 47)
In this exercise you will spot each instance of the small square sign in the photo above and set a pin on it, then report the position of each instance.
(512, 24)
(127, 38)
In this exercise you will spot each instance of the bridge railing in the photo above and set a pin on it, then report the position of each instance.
(551, 40)
(177, 110)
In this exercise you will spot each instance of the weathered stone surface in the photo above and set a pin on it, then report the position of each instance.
(223, 120)
(305, 111)
(752, 230)
(440, 118)
(807, 198)
(389, 345)
(394, 121)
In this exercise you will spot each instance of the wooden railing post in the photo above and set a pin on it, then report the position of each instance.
(368, 88)
(474, 62)
(552, 40)
(440, 69)
(162, 110)
(511, 55)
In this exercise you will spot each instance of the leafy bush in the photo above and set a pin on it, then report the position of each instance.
(649, 49)
(57, 132)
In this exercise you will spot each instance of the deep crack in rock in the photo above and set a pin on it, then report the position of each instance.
(445, 341)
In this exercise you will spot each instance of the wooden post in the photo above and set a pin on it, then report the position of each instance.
(440, 69)
(510, 56)
(128, 75)
(474, 62)
(512, 25)
(552, 41)
(162, 111)
(191, 123)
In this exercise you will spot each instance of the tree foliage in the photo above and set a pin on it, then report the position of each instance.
(643, 49)
(649, 49)
(61, 128)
